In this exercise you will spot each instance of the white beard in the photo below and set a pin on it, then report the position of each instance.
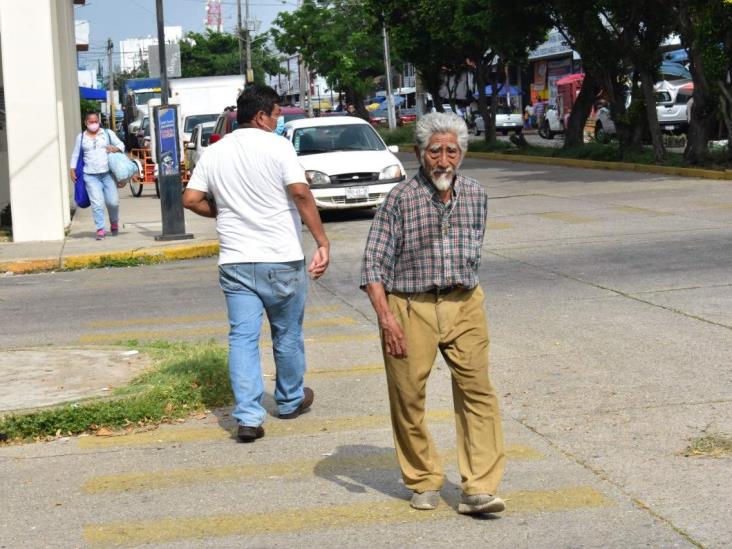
(444, 181)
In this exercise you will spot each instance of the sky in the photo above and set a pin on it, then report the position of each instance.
(119, 20)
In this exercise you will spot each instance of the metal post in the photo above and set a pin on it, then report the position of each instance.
(250, 75)
(387, 65)
(161, 54)
(112, 118)
(168, 151)
(238, 36)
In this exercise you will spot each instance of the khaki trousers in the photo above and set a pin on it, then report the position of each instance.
(455, 324)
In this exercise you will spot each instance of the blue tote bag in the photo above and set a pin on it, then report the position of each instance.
(81, 197)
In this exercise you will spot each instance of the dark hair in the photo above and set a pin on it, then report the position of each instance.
(89, 113)
(255, 98)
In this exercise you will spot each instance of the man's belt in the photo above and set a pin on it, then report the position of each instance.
(436, 291)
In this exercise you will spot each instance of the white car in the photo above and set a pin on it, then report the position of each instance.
(506, 121)
(346, 162)
(672, 105)
(198, 142)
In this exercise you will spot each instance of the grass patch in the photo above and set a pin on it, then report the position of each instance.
(403, 135)
(112, 261)
(709, 445)
(485, 146)
(186, 378)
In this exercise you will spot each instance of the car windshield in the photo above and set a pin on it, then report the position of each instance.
(348, 137)
(141, 98)
(206, 132)
(663, 97)
(195, 120)
(503, 109)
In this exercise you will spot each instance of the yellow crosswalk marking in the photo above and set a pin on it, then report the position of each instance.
(327, 466)
(109, 337)
(497, 225)
(643, 211)
(328, 373)
(567, 217)
(274, 428)
(166, 530)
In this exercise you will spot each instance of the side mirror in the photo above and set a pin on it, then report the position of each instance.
(214, 138)
(191, 146)
(393, 148)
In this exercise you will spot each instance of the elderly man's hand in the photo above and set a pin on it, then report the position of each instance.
(393, 337)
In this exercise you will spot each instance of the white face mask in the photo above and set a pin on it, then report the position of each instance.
(92, 127)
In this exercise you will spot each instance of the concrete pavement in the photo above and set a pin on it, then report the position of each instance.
(608, 296)
(140, 219)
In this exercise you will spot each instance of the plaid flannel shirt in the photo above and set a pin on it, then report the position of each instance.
(417, 242)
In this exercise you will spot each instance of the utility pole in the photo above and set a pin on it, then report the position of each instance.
(250, 75)
(112, 118)
(301, 72)
(161, 54)
(238, 37)
(387, 66)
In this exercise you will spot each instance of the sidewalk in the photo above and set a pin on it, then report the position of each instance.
(140, 222)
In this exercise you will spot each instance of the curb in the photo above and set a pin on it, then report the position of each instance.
(702, 173)
(84, 261)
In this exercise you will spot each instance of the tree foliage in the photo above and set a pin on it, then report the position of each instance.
(217, 54)
(339, 39)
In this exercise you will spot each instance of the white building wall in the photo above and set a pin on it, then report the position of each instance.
(42, 105)
(129, 49)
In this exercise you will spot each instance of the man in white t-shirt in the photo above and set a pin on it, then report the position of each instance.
(253, 184)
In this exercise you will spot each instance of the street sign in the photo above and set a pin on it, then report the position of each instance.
(172, 60)
(169, 180)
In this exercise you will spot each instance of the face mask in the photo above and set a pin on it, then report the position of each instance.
(93, 127)
(280, 128)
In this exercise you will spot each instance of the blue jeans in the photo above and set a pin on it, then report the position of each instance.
(102, 189)
(279, 289)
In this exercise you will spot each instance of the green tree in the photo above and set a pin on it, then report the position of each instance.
(339, 39)
(142, 71)
(217, 54)
(494, 33)
(422, 32)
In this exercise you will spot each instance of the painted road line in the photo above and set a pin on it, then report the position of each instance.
(274, 428)
(567, 217)
(325, 467)
(167, 530)
(329, 373)
(223, 331)
(643, 211)
(497, 225)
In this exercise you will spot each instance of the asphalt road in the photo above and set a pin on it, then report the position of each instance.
(609, 297)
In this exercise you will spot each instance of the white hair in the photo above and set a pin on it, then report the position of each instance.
(441, 122)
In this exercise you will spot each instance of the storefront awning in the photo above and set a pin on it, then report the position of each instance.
(93, 94)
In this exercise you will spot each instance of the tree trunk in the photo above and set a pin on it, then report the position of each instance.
(701, 122)
(490, 126)
(574, 133)
(356, 99)
(649, 97)
(482, 101)
(726, 108)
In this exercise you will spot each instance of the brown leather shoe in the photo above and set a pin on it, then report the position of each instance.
(307, 401)
(245, 433)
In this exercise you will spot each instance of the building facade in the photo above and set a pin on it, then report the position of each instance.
(38, 81)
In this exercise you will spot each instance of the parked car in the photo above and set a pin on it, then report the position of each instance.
(346, 163)
(199, 141)
(226, 123)
(672, 105)
(293, 113)
(407, 116)
(506, 121)
(379, 117)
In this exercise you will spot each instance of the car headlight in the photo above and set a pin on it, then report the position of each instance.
(315, 177)
(391, 172)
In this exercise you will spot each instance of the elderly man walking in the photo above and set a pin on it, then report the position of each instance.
(420, 270)
(253, 184)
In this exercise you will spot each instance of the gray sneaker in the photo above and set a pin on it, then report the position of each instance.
(425, 501)
(480, 503)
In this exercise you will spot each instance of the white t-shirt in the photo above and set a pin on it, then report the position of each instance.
(247, 173)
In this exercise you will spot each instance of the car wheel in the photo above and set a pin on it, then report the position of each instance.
(600, 135)
(477, 131)
(546, 132)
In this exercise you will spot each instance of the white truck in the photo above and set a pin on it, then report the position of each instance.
(203, 99)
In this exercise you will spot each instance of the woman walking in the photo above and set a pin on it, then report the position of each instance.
(94, 144)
